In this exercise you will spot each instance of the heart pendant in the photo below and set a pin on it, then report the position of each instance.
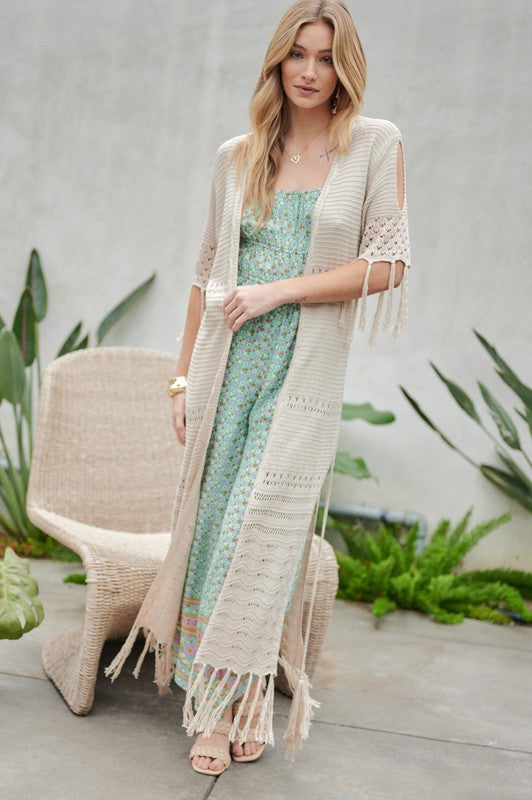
(295, 159)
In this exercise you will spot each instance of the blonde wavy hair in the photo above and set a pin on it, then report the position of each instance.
(260, 151)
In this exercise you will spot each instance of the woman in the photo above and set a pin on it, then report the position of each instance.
(307, 216)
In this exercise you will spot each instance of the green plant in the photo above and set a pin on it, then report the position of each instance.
(76, 577)
(347, 464)
(20, 608)
(20, 363)
(513, 577)
(390, 574)
(513, 482)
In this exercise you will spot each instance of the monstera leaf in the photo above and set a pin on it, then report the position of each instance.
(20, 608)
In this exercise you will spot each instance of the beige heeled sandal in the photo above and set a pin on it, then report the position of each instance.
(252, 736)
(209, 750)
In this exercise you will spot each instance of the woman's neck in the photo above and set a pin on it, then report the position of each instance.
(305, 124)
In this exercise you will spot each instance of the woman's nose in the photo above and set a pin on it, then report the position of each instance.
(309, 69)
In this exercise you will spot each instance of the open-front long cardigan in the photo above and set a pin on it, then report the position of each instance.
(357, 215)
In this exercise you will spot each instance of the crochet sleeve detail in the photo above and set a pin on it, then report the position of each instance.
(204, 261)
(386, 238)
(385, 235)
(207, 248)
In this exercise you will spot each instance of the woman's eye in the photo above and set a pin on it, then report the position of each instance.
(296, 54)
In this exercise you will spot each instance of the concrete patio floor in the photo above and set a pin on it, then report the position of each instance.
(410, 710)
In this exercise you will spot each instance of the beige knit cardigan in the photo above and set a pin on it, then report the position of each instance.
(355, 216)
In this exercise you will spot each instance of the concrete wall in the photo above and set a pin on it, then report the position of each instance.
(111, 115)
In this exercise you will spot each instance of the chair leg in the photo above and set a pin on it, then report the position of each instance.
(71, 661)
(325, 596)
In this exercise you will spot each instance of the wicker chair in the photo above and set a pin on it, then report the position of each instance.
(103, 477)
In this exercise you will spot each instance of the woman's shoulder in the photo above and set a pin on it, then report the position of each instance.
(379, 133)
(226, 147)
(222, 157)
(375, 126)
(230, 143)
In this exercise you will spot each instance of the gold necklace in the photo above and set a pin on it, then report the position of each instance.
(296, 158)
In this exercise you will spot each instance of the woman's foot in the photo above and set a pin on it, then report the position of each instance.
(251, 747)
(246, 749)
(218, 740)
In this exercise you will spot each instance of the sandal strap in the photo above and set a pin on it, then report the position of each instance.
(224, 726)
(247, 706)
(252, 736)
(208, 750)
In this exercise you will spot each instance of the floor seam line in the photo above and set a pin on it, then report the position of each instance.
(416, 736)
(31, 677)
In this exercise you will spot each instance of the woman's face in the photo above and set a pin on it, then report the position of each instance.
(307, 73)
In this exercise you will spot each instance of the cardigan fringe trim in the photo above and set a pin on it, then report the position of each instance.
(301, 709)
(211, 705)
(164, 667)
(361, 302)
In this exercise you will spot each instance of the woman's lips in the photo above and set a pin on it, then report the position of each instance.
(306, 90)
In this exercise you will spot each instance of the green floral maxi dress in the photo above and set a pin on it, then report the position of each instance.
(259, 356)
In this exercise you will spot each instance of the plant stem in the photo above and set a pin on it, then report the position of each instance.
(29, 421)
(6, 525)
(11, 468)
(18, 488)
(23, 467)
(11, 499)
(38, 353)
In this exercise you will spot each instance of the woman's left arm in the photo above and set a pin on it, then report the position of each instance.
(384, 243)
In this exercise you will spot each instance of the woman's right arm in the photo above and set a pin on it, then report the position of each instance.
(192, 324)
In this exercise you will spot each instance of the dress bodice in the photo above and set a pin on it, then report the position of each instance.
(279, 249)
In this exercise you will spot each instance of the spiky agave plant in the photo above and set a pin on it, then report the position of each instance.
(513, 481)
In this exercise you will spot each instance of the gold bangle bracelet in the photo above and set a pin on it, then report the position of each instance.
(176, 385)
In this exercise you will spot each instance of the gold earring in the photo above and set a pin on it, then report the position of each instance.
(335, 101)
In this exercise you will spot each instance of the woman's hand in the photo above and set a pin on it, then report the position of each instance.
(250, 300)
(178, 416)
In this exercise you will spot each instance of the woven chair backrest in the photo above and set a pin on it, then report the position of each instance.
(105, 451)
